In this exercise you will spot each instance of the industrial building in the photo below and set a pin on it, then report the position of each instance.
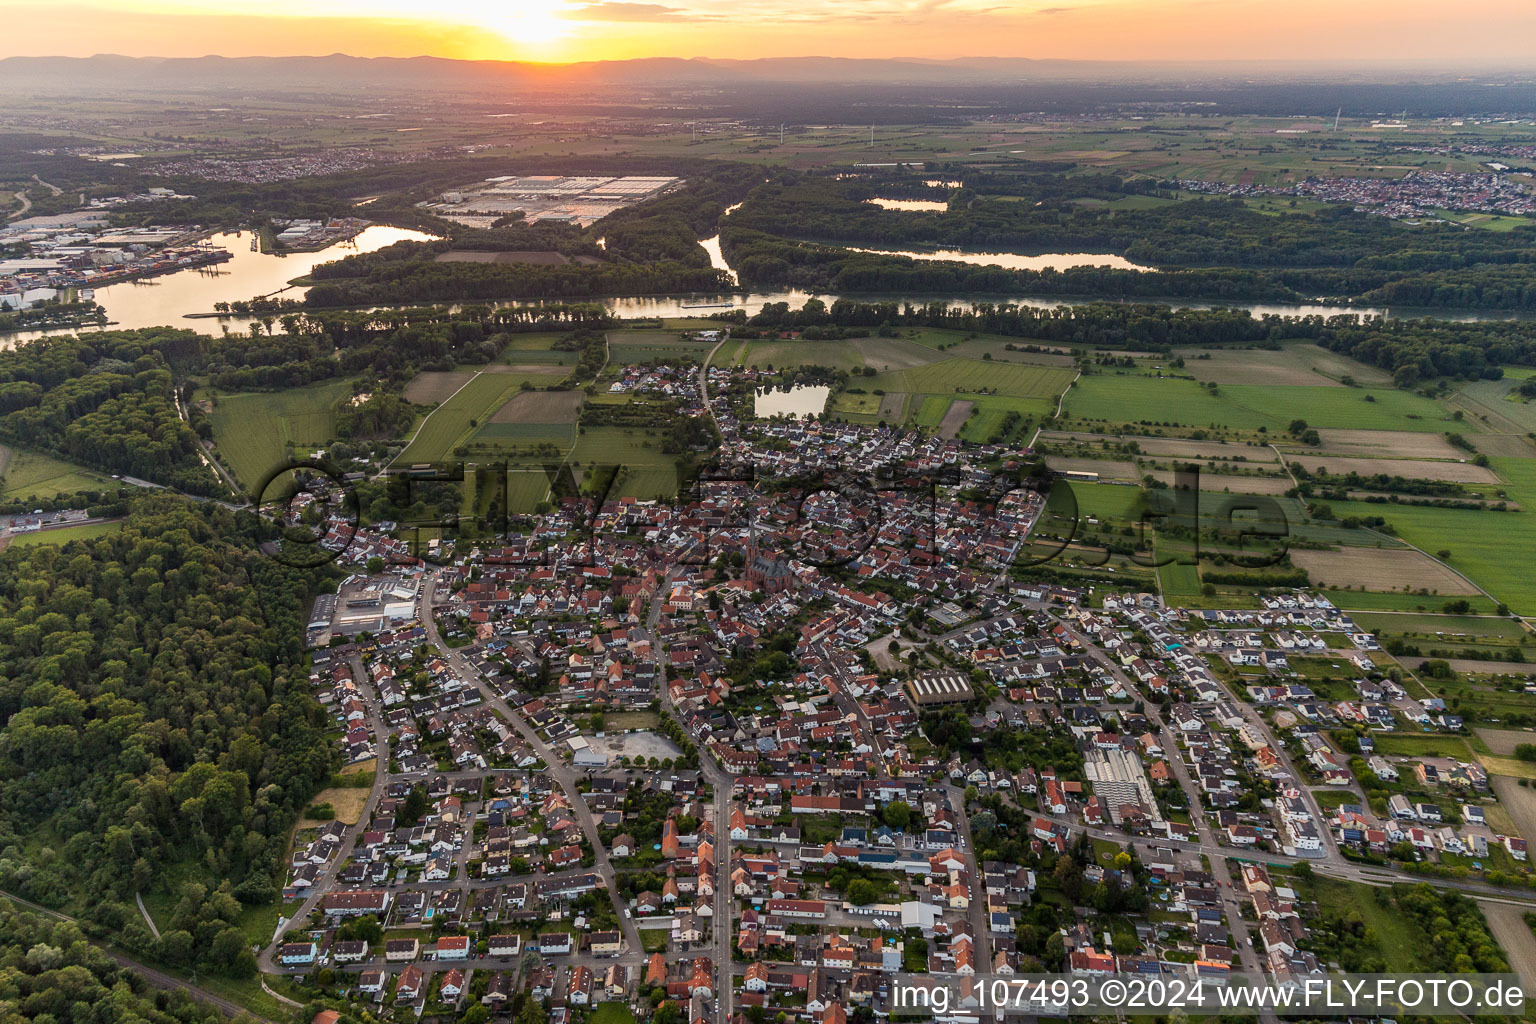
(577, 199)
(940, 687)
(1119, 780)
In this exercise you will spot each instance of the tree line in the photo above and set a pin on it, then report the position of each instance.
(1413, 350)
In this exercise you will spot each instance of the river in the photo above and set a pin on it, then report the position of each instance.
(164, 301)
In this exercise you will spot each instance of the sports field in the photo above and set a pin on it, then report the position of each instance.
(253, 432)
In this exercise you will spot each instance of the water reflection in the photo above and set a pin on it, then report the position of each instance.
(910, 205)
(166, 300)
(712, 246)
(1014, 261)
(800, 401)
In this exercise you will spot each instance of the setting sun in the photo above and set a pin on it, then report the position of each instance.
(582, 30)
(523, 23)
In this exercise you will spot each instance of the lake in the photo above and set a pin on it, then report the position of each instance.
(910, 205)
(1012, 261)
(164, 301)
(800, 401)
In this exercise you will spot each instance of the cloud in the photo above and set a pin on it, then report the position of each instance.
(617, 10)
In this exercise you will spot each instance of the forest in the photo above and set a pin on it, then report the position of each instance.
(102, 399)
(157, 719)
(1218, 232)
(50, 972)
(791, 230)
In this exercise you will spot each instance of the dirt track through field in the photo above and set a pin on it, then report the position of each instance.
(1508, 925)
(1519, 800)
(955, 418)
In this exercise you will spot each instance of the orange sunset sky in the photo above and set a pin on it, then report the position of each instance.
(1466, 33)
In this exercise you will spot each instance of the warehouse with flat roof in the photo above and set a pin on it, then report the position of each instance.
(941, 687)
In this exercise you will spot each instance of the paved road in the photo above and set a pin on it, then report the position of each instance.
(556, 768)
(156, 978)
(723, 783)
(704, 381)
(327, 879)
(977, 915)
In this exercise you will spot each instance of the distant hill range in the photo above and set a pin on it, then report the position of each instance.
(109, 73)
(801, 90)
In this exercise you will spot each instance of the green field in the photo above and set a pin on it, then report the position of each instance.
(1177, 580)
(1463, 625)
(1138, 398)
(525, 489)
(34, 475)
(1414, 745)
(1113, 502)
(838, 355)
(526, 348)
(1141, 398)
(967, 377)
(1364, 600)
(1354, 408)
(621, 446)
(611, 1013)
(626, 347)
(1388, 934)
(253, 432)
(531, 433)
(452, 423)
(1484, 545)
(994, 388)
(66, 534)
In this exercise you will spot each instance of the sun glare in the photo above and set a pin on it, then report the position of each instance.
(525, 23)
